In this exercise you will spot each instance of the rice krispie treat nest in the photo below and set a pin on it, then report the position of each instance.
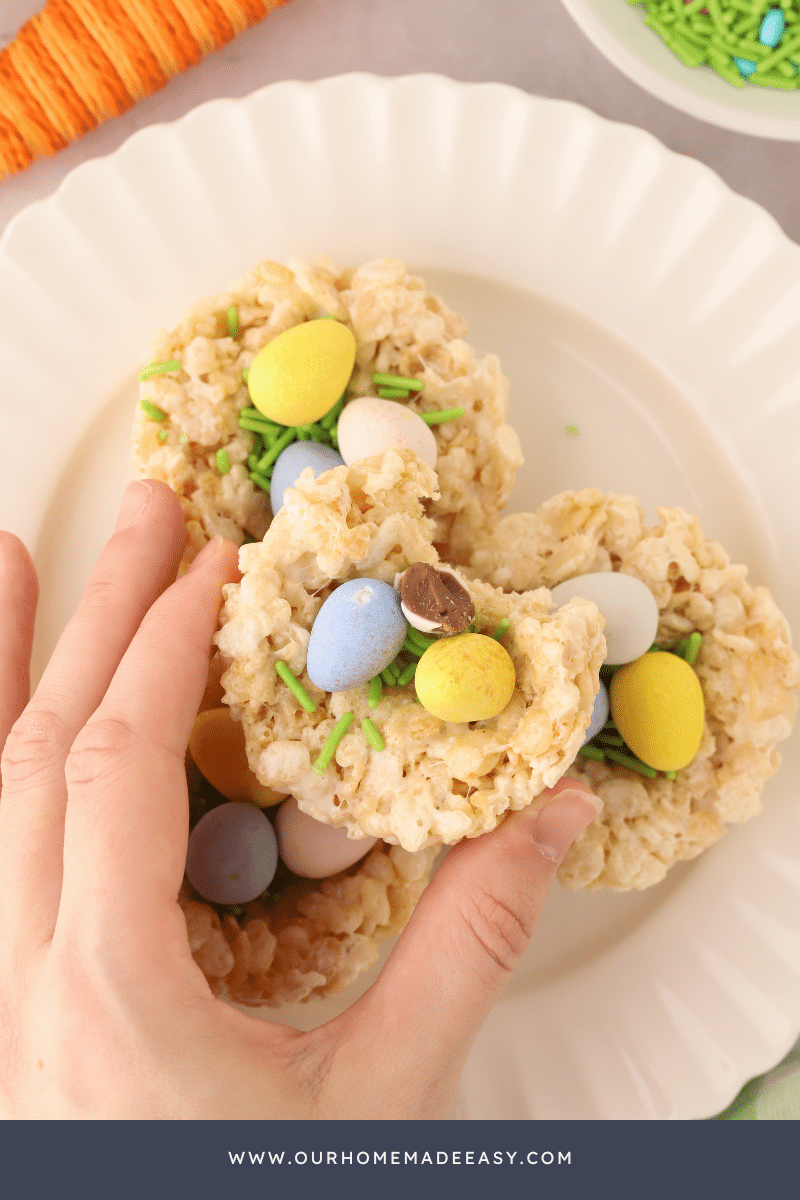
(315, 939)
(747, 669)
(399, 328)
(435, 782)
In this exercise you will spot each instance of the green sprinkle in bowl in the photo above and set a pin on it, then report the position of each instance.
(618, 30)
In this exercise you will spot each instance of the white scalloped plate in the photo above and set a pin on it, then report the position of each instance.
(626, 291)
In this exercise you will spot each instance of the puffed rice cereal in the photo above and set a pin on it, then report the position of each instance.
(747, 669)
(399, 327)
(315, 939)
(434, 782)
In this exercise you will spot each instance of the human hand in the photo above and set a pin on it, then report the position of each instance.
(103, 1011)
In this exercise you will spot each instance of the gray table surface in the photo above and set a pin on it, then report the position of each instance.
(532, 44)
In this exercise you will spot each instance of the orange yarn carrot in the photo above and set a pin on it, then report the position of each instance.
(80, 61)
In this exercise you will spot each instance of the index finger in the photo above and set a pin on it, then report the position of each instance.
(19, 591)
(127, 813)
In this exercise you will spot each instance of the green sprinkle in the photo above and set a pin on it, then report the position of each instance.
(419, 638)
(245, 374)
(411, 648)
(295, 686)
(693, 648)
(591, 752)
(681, 647)
(276, 448)
(183, 439)
(254, 426)
(153, 411)
(786, 46)
(407, 675)
(372, 735)
(331, 417)
(235, 909)
(255, 414)
(252, 462)
(233, 322)
(162, 435)
(390, 675)
(263, 481)
(670, 774)
(158, 368)
(332, 741)
(258, 445)
(632, 764)
(502, 629)
(610, 739)
(375, 691)
(223, 462)
(438, 418)
(316, 432)
(382, 379)
(573, 430)
(722, 34)
(392, 393)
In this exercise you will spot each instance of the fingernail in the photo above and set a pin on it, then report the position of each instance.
(209, 551)
(135, 500)
(563, 819)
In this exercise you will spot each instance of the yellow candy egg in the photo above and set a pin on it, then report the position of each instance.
(469, 677)
(217, 747)
(657, 706)
(298, 376)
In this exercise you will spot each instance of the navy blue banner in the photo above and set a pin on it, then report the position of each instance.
(239, 1160)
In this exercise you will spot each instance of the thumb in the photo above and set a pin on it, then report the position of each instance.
(464, 939)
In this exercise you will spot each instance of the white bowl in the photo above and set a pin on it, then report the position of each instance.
(618, 30)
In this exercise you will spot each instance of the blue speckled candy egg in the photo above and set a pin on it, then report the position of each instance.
(358, 631)
(289, 466)
(599, 714)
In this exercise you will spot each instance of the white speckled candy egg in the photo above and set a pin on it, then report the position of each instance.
(358, 631)
(312, 849)
(291, 463)
(628, 606)
(599, 713)
(369, 426)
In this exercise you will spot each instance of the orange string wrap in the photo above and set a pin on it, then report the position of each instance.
(80, 61)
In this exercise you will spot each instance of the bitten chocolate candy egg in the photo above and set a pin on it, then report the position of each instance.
(232, 854)
(369, 426)
(312, 849)
(628, 605)
(358, 631)
(657, 705)
(298, 376)
(217, 747)
(468, 677)
(291, 463)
